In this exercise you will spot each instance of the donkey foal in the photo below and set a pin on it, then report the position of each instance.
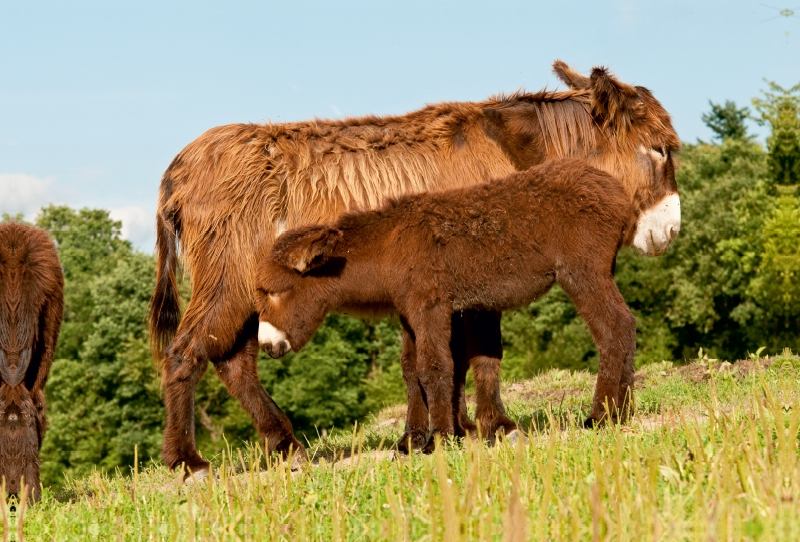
(489, 247)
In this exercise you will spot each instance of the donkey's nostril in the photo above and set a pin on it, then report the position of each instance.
(672, 232)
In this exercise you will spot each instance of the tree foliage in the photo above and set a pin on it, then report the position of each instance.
(779, 108)
(727, 121)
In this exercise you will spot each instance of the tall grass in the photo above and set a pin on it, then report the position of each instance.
(712, 455)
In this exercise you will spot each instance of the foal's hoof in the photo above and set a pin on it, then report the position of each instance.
(591, 423)
(430, 446)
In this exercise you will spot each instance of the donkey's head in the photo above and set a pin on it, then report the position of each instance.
(19, 439)
(294, 288)
(634, 140)
(614, 126)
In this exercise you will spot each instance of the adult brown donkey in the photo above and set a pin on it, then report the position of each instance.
(490, 247)
(31, 307)
(231, 192)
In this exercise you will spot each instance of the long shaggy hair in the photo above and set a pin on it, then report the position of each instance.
(31, 308)
(229, 193)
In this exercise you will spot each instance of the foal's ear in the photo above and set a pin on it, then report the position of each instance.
(616, 103)
(569, 77)
(307, 249)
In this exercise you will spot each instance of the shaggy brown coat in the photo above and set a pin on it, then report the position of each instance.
(31, 308)
(491, 247)
(229, 193)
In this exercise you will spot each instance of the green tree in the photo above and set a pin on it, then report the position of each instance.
(102, 393)
(89, 245)
(780, 108)
(776, 288)
(727, 121)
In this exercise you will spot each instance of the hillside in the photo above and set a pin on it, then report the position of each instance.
(711, 455)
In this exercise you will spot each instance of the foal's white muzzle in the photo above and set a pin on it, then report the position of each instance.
(658, 226)
(272, 340)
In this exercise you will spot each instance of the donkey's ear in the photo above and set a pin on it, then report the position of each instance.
(307, 250)
(615, 103)
(569, 77)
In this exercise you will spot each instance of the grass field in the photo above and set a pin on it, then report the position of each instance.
(712, 454)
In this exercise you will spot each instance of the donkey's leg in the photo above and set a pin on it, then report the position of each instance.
(613, 328)
(184, 365)
(625, 394)
(435, 366)
(484, 351)
(239, 372)
(458, 351)
(31, 474)
(416, 431)
(37, 395)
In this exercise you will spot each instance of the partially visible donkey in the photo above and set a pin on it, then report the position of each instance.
(489, 247)
(31, 308)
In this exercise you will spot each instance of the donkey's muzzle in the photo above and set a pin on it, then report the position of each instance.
(658, 226)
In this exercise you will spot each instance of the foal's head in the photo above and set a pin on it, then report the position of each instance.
(19, 439)
(292, 287)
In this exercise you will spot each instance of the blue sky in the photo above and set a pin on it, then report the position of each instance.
(97, 97)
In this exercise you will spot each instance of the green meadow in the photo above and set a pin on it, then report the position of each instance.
(712, 454)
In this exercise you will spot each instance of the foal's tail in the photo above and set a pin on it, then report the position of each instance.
(165, 304)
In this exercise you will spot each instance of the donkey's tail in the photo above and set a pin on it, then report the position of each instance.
(165, 308)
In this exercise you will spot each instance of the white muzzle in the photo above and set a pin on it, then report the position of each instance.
(658, 226)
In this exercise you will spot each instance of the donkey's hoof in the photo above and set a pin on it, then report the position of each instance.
(195, 477)
(515, 436)
(411, 441)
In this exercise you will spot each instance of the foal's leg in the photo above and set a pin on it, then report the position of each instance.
(484, 351)
(613, 328)
(416, 431)
(239, 372)
(435, 366)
